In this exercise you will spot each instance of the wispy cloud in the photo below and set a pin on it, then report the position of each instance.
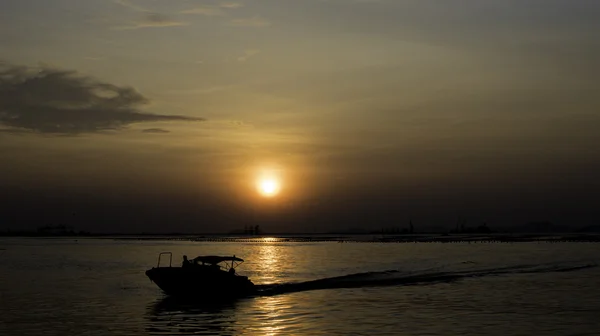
(140, 25)
(255, 21)
(53, 101)
(205, 10)
(94, 59)
(231, 5)
(153, 20)
(149, 20)
(202, 91)
(156, 131)
(130, 6)
(212, 10)
(248, 53)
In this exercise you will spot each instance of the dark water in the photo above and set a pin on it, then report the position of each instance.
(98, 287)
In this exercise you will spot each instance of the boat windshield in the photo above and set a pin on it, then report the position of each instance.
(231, 262)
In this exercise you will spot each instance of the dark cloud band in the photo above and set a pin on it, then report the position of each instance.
(55, 101)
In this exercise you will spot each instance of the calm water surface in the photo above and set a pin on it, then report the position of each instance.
(98, 287)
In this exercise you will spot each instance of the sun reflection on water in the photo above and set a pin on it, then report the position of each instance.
(269, 261)
(272, 317)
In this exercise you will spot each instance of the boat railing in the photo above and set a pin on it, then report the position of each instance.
(170, 258)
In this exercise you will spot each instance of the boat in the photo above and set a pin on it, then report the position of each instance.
(203, 276)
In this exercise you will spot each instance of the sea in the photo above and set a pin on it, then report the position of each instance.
(77, 286)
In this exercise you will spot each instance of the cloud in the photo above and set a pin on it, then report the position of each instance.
(250, 22)
(202, 91)
(154, 20)
(13, 131)
(231, 5)
(94, 59)
(205, 10)
(247, 54)
(54, 101)
(156, 131)
(212, 10)
(130, 5)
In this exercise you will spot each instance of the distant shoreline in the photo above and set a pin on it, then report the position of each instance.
(341, 237)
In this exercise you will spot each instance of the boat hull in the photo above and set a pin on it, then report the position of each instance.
(192, 282)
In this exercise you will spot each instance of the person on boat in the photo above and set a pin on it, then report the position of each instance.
(185, 262)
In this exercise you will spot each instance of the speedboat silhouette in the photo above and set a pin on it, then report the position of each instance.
(203, 276)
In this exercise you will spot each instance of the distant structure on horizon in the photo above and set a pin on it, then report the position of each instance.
(249, 230)
(483, 228)
(47, 231)
(56, 230)
(252, 230)
(398, 230)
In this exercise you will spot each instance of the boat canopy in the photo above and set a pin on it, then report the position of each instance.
(213, 260)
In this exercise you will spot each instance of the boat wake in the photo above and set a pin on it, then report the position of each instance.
(398, 278)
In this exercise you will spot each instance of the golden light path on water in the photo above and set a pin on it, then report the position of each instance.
(269, 260)
(270, 309)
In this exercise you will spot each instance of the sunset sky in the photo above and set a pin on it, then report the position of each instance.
(161, 115)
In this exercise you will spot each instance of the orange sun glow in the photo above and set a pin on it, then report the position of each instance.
(268, 186)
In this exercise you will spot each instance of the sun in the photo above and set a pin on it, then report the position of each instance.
(268, 186)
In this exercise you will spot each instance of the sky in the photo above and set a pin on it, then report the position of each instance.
(160, 115)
